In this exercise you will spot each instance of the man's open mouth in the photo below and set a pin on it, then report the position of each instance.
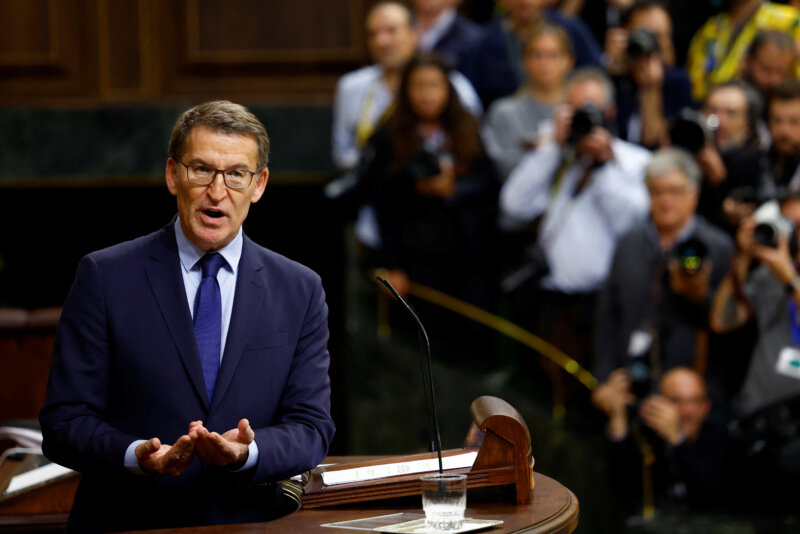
(215, 214)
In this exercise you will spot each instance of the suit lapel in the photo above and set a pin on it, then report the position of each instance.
(165, 278)
(249, 294)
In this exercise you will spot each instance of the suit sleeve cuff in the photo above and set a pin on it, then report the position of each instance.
(131, 462)
(252, 457)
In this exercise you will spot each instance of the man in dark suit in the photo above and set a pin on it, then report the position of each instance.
(185, 396)
(441, 28)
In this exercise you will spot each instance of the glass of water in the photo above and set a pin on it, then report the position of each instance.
(444, 499)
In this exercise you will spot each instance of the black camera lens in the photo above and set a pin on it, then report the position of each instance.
(689, 131)
(584, 120)
(691, 254)
(766, 234)
(641, 44)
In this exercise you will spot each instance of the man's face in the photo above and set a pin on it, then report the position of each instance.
(672, 200)
(211, 215)
(390, 38)
(587, 92)
(784, 126)
(729, 104)
(688, 394)
(769, 67)
(656, 21)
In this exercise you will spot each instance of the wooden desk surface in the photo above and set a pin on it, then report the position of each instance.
(553, 509)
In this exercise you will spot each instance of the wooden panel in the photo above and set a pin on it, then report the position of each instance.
(286, 51)
(124, 43)
(239, 31)
(43, 51)
(29, 36)
(87, 52)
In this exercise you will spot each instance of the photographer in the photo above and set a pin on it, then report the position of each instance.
(586, 187)
(728, 152)
(655, 302)
(689, 450)
(649, 91)
(783, 120)
(767, 407)
(435, 194)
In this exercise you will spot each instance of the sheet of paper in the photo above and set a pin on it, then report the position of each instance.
(35, 477)
(371, 523)
(371, 472)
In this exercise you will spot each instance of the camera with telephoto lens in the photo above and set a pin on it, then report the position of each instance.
(771, 224)
(691, 130)
(585, 119)
(691, 254)
(641, 44)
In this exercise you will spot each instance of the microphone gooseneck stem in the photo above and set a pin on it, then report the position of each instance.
(427, 373)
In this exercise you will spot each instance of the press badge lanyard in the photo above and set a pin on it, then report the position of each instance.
(365, 125)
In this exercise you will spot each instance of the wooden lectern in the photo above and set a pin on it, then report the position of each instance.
(498, 434)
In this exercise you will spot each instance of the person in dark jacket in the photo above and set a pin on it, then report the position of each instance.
(435, 189)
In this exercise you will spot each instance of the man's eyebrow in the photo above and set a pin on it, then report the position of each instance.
(201, 161)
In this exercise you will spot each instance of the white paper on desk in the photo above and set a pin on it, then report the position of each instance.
(35, 477)
(371, 472)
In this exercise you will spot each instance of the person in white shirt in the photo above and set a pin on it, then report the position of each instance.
(586, 188)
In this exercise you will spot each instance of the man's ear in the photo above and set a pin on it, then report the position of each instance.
(171, 174)
(261, 184)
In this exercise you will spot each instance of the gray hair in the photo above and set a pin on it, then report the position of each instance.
(224, 117)
(585, 74)
(671, 158)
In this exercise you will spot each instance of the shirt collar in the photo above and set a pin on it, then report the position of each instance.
(190, 253)
(686, 232)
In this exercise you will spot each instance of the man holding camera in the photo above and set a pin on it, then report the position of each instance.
(670, 428)
(586, 188)
(768, 406)
(732, 157)
(649, 90)
(655, 302)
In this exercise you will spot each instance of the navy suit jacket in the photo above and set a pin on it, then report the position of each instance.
(126, 367)
(458, 40)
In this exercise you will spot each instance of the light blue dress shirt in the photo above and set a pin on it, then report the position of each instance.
(190, 256)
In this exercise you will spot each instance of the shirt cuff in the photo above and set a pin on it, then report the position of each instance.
(131, 462)
(252, 457)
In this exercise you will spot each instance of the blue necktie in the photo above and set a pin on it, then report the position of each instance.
(208, 320)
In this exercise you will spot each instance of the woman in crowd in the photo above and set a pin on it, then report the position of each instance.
(515, 124)
(435, 189)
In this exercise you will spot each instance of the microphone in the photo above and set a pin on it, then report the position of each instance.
(427, 374)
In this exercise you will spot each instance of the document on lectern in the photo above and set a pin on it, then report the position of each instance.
(372, 472)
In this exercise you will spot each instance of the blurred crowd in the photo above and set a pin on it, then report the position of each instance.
(624, 176)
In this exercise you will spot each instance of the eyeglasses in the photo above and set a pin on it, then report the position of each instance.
(200, 174)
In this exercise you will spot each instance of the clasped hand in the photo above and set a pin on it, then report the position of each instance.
(228, 449)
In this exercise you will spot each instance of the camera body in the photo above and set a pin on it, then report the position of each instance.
(691, 130)
(424, 163)
(771, 224)
(641, 44)
(585, 119)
